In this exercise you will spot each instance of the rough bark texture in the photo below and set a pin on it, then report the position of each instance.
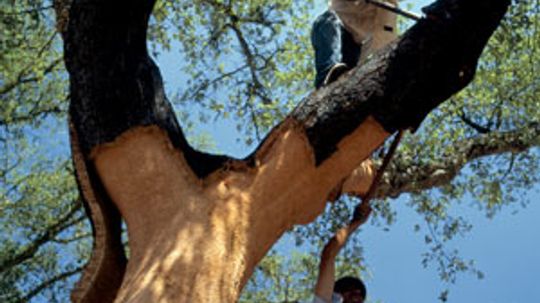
(115, 85)
(198, 223)
(432, 61)
(107, 264)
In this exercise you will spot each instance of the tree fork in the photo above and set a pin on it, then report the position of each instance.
(198, 223)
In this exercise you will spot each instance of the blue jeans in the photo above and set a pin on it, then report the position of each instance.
(332, 44)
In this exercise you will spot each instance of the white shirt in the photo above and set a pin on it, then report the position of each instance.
(371, 26)
(336, 298)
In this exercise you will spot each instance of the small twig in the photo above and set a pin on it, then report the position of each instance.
(32, 293)
(250, 59)
(479, 128)
(213, 81)
(510, 167)
(437, 241)
(254, 121)
(72, 239)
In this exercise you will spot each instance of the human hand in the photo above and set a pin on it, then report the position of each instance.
(336, 243)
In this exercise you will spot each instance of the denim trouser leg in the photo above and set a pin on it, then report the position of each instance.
(332, 44)
(326, 40)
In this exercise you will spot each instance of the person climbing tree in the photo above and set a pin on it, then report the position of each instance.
(347, 32)
(346, 289)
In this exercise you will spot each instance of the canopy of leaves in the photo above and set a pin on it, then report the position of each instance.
(44, 239)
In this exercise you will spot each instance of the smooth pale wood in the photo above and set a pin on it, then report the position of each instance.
(195, 240)
(358, 182)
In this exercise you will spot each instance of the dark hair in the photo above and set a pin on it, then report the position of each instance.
(350, 283)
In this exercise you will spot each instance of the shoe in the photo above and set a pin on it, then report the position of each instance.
(335, 72)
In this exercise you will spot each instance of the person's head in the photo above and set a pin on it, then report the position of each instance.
(351, 289)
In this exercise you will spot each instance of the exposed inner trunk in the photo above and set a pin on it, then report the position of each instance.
(195, 240)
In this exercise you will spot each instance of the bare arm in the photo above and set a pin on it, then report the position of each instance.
(325, 282)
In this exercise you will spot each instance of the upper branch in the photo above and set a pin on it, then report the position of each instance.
(433, 60)
(115, 85)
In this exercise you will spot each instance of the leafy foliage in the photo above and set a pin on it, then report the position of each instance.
(244, 59)
(41, 220)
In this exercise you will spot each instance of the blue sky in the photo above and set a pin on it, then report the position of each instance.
(506, 248)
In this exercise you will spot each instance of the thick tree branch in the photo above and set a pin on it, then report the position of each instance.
(404, 176)
(433, 60)
(115, 85)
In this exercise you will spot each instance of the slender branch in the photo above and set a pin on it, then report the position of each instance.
(48, 283)
(253, 116)
(9, 168)
(258, 17)
(250, 59)
(207, 84)
(33, 114)
(72, 239)
(20, 79)
(510, 166)
(53, 230)
(435, 238)
(479, 128)
(406, 177)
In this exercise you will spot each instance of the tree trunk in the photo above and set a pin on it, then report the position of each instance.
(198, 224)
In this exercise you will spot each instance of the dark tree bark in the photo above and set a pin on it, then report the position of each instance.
(199, 223)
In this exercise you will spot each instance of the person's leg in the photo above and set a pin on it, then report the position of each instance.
(326, 40)
(350, 49)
